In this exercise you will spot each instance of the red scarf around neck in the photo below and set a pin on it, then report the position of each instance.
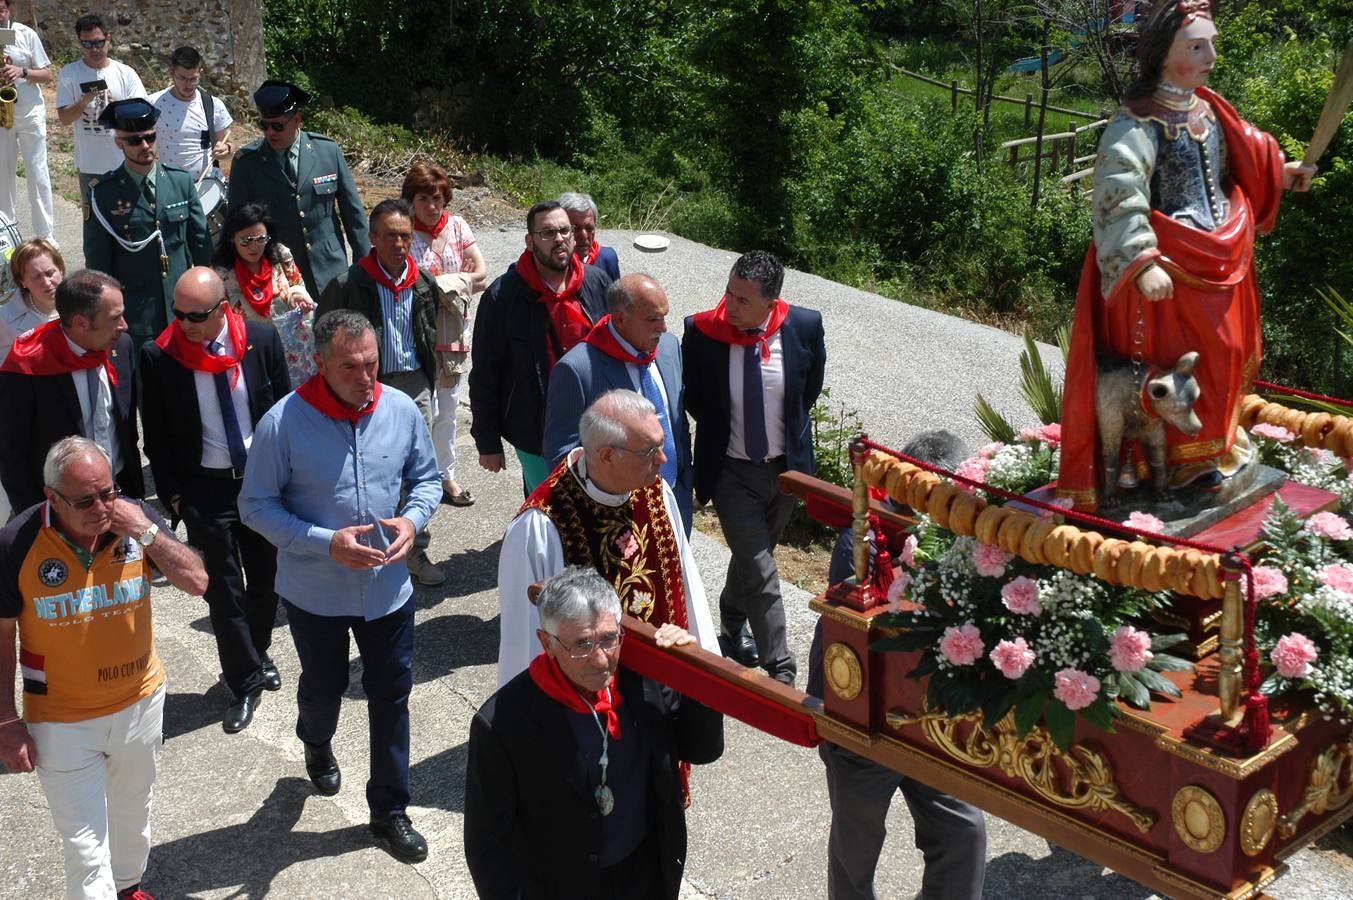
(372, 266)
(258, 288)
(317, 393)
(591, 256)
(603, 338)
(714, 324)
(569, 320)
(435, 229)
(547, 675)
(45, 351)
(192, 355)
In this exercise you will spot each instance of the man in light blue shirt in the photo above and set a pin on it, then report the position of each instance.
(326, 473)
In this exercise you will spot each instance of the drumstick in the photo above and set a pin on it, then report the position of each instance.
(205, 170)
(1336, 104)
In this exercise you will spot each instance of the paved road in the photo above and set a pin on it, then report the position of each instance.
(234, 816)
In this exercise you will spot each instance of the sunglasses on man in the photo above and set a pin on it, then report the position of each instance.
(273, 125)
(136, 140)
(107, 495)
(93, 45)
(196, 317)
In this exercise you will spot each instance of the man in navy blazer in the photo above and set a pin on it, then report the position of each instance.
(754, 367)
(630, 349)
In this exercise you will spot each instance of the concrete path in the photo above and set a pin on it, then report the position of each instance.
(234, 816)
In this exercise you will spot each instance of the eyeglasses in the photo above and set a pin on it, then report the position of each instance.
(187, 79)
(268, 125)
(107, 495)
(584, 229)
(136, 140)
(550, 234)
(252, 239)
(197, 317)
(646, 454)
(584, 649)
(93, 45)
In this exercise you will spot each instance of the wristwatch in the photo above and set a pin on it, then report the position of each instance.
(147, 537)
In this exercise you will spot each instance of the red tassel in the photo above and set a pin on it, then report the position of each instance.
(1254, 727)
(882, 576)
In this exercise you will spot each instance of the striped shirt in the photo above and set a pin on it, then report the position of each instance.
(398, 353)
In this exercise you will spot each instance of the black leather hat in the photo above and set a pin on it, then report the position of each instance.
(278, 98)
(136, 114)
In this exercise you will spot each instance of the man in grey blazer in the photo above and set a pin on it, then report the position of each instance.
(628, 348)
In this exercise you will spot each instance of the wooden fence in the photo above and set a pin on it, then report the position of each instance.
(1030, 106)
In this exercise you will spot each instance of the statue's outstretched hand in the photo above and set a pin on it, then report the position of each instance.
(1297, 175)
(1154, 284)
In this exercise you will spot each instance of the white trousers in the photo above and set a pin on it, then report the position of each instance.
(444, 429)
(29, 138)
(98, 776)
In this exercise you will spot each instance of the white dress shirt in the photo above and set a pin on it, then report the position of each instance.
(102, 406)
(215, 447)
(772, 394)
(532, 552)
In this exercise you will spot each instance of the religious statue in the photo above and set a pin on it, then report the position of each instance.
(1182, 184)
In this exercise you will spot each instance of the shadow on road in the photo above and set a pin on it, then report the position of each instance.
(1063, 873)
(439, 781)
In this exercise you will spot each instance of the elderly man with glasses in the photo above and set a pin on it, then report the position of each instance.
(206, 381)
(146, 226)
(84, 88)
(75, 586)
(305, 183)
(573, 786)
(605, 507)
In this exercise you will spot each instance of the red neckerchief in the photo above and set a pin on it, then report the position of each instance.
(547, 675)
(372, 266)
(318, 394)
(591, 257)
(603, 338)
(567, 316)
(45, 351)
(713, 323)
(192, 355)
(258, 289)
(435, 229)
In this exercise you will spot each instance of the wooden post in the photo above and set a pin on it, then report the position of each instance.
(1014, 157)
(1028, 109)
(1044, 90)
(860, 505)
(1056, 155)
(953, 96)
(1231, 676)
(1070, 155)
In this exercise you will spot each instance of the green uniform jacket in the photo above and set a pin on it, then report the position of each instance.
(310, 216)
(147, 289)
(355, 290)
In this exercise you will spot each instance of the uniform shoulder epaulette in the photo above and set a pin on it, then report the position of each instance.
(169, 168)
(249, 147)
(320, 137)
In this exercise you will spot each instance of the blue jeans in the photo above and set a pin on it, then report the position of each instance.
(386, 649)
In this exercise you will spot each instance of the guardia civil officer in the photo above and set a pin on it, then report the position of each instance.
(306, 185)
(146, 226)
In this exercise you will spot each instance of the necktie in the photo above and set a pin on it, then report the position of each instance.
(148, 189)
(649, 385)
(754, 439)
(289, 166)
(100, 427)
(234, 439)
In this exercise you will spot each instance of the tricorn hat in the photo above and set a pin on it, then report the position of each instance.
(278, 98)
(136, 114)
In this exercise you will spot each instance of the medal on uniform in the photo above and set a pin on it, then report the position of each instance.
(605, 799)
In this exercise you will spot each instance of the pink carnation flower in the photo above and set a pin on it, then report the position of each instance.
(990, 450)
(897, 591)
(1293, 655)
(962, 646)
(1052, 434)
(1013, 658)
(1060, 503)
(1030, 435)
(1020, 596)
(1144, 522)
(907, 555)
(1075, 688)
(1337, 576)
(1328, 525)
(1129, 649)
(1270, 581)
(626, 545)
(974, 469)
(990, 561)
(1273, 433)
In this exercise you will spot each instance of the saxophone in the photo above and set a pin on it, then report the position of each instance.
(8, 94)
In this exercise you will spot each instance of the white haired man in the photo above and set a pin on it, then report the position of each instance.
(582, 215)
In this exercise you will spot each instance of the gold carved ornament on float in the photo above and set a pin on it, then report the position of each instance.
(1328, 787)
(1198, 818)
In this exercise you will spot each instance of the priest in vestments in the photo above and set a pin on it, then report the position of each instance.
(1182, 185)
(604, 507)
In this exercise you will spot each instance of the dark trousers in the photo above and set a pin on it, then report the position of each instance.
(753, 514)
(241, 568)
(386, 648)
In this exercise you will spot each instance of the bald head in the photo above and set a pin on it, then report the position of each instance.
(638, 308)
(200, 290)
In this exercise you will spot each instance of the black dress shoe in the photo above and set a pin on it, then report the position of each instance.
(272, 679)
(395, 835)
(322, 768)
(239, 714)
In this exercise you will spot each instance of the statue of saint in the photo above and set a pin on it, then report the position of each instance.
(1182, 184)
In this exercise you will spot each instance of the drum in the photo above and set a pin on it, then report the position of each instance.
(10, 239)
(211, 191)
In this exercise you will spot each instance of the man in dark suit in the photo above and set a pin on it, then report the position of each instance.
(306, 184)
(205, 383)
(573, 786)
(146, 226)
(630, 349)
(754, 367)
(72, 376)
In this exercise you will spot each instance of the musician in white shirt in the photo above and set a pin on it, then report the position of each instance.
(25, 67)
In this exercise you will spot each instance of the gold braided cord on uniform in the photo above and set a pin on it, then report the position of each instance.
(1132, 563)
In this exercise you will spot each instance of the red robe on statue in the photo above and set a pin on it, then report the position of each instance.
(1214, 310)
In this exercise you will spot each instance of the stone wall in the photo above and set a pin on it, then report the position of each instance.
(228, 34)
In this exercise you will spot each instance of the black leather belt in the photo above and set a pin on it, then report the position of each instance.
(231, 474)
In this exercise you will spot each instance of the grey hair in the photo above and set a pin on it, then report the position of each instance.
(350, 323)
(603, 424)
(939, 447)
(579, 595)
(572, 201)
(66, 451)
(764, 269)
(620, 295)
